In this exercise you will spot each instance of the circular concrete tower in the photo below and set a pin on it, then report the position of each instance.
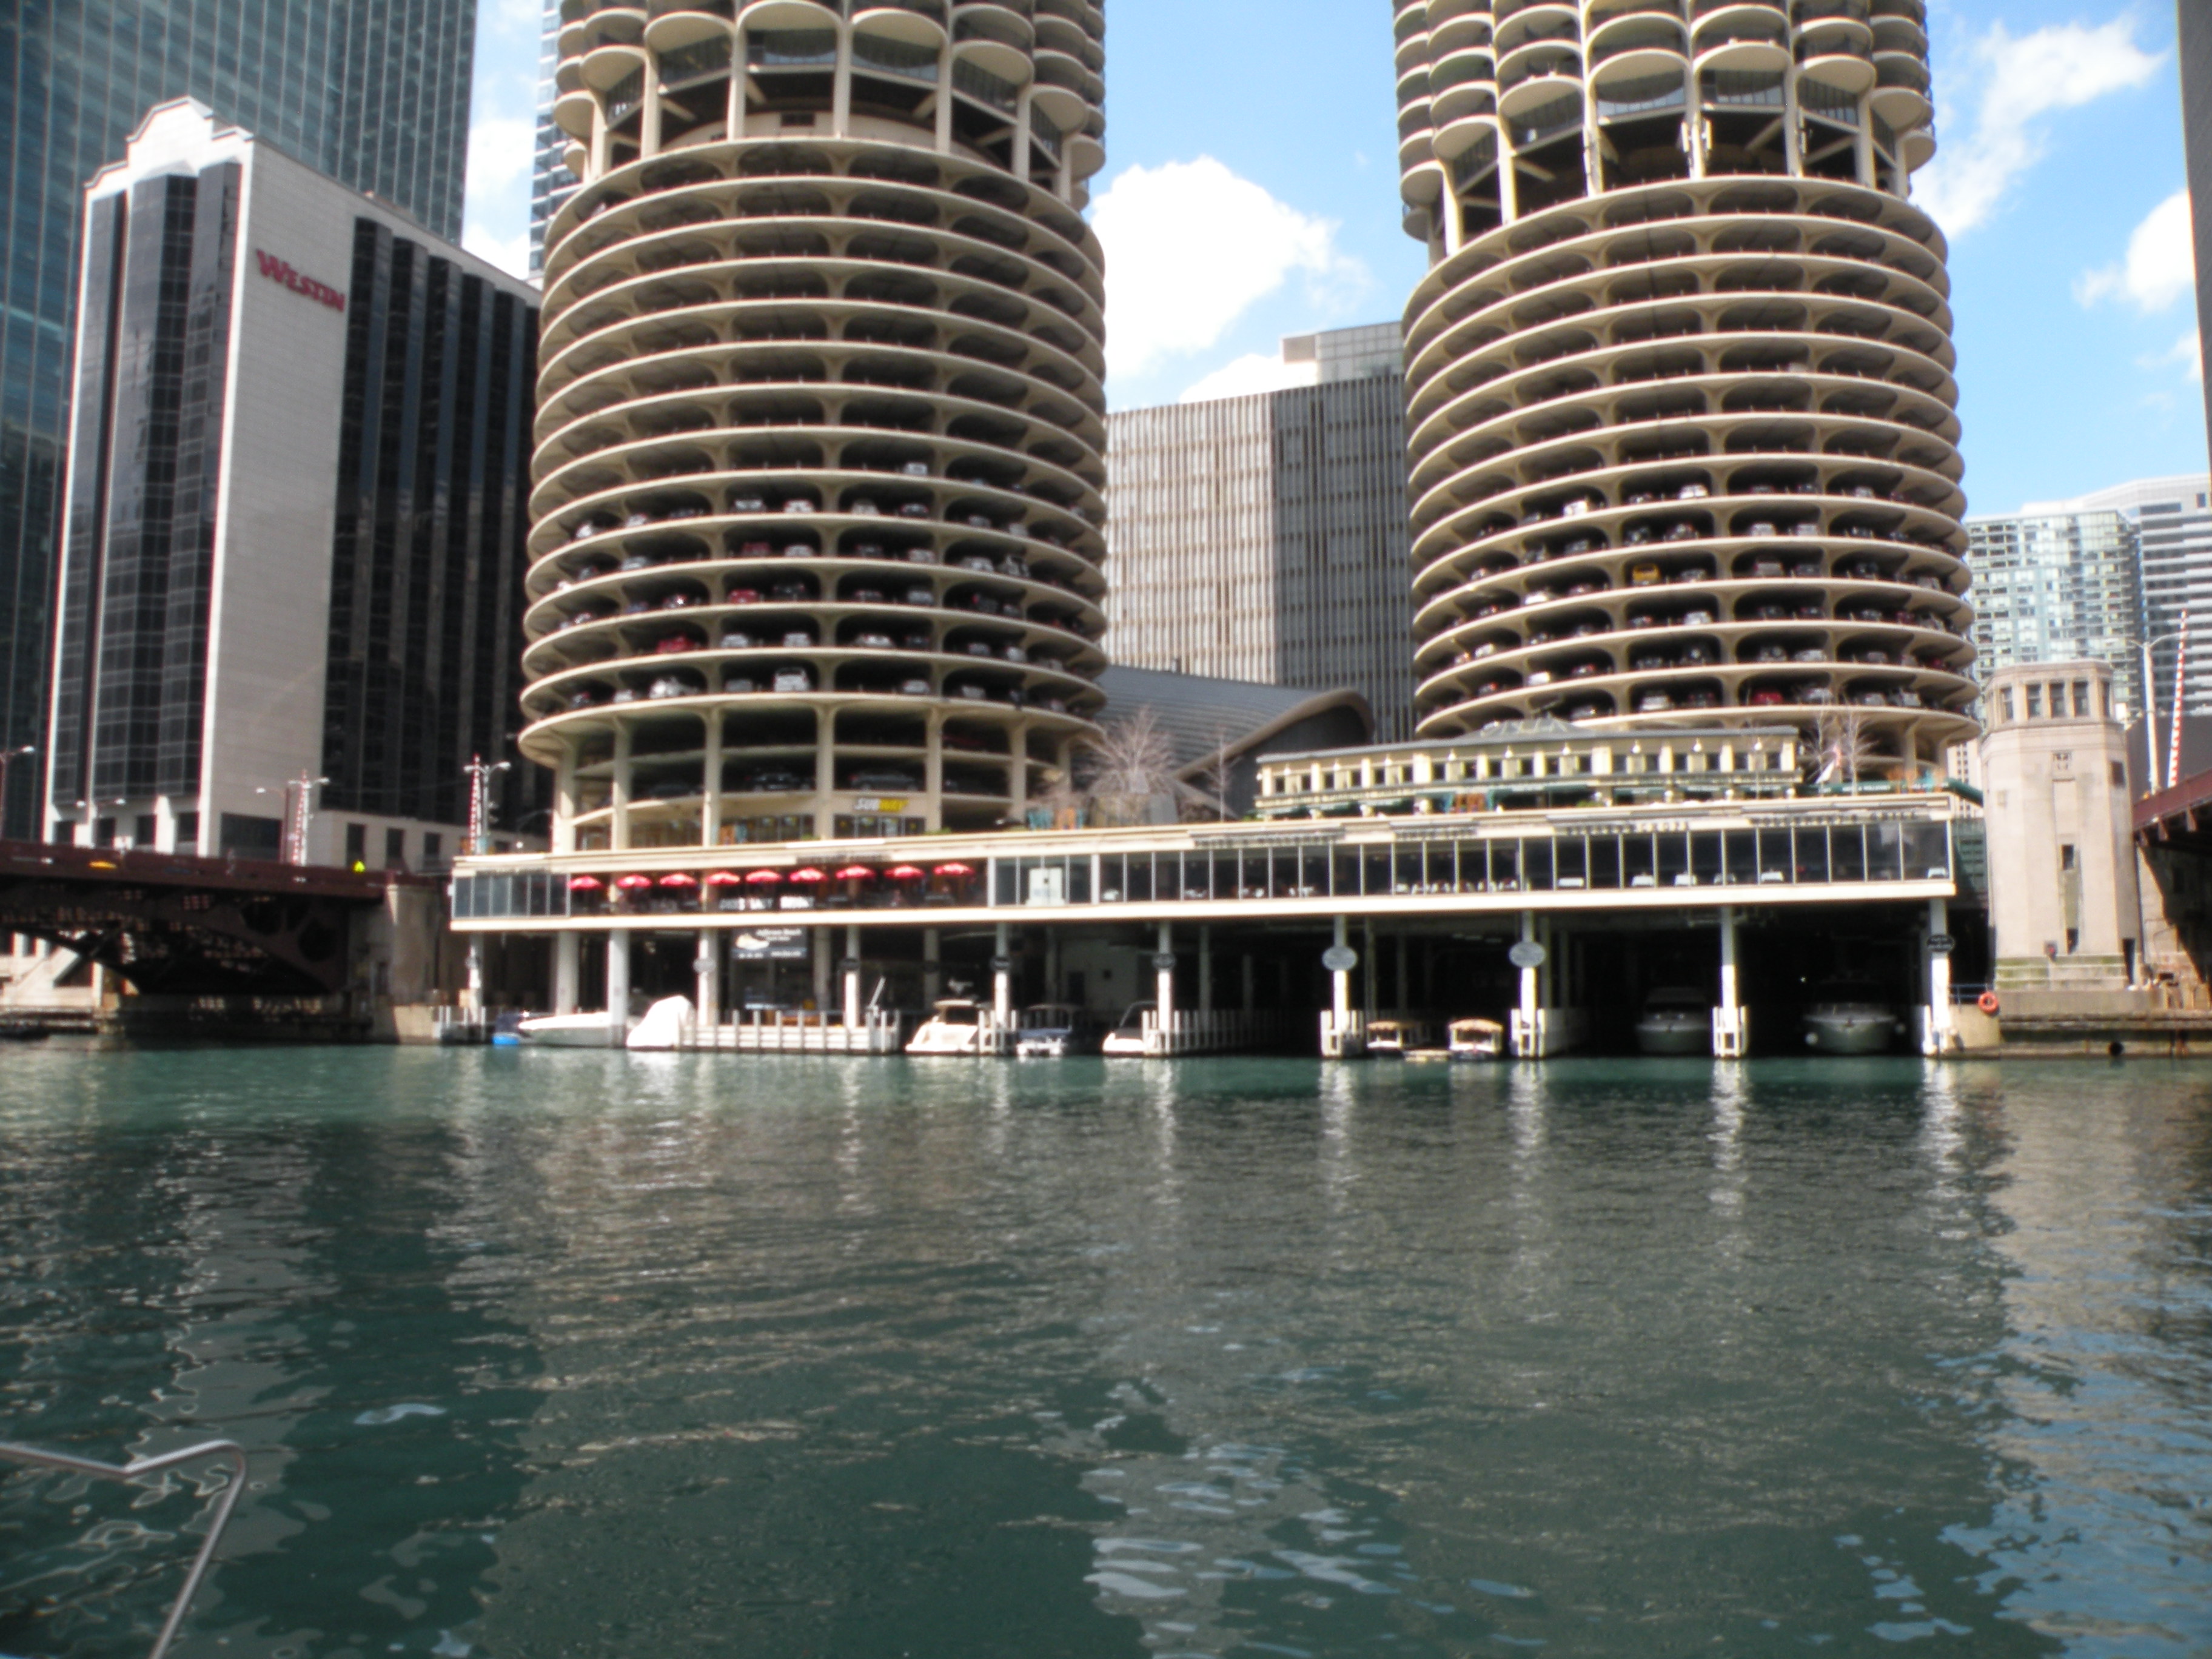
(1681, 411)
(818, 506)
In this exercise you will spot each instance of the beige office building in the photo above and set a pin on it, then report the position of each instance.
(1681, 417)
(1263, 537)
(817, 543)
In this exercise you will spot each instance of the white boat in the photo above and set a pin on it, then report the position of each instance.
(1126, 1039)
(1477, 1039)
(1387, 1039)
(1848, 1019)
(1675, 1020)
(1051, 1030)
(666, 1024)
(592, 1030)
(955, 1026)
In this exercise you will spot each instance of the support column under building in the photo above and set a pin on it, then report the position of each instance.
(617, 984)
(1002, 977)
(852, 969)
(568, 971)
(1729, 1032)
(1940, 1030)
(1163, 976)
(706, 971)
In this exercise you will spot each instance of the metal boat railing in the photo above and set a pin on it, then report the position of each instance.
(32, 1457)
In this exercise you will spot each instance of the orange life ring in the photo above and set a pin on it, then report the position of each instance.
(1987, 1002)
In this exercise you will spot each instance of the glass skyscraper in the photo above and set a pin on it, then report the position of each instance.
(375, 92)
(551, 183)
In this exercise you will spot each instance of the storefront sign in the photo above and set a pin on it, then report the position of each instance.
(769, 944)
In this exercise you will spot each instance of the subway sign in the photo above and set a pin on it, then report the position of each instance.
(280, 270)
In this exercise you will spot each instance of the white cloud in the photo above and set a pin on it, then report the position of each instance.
(2185, 353)
(1257, 371)
(2024, 80)
(2160, 266)
(510, 254)
(1190, 247)
(500, 149)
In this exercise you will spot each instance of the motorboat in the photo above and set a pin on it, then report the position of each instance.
(1476, 1039)
(1391, 1039)
(665, 1024)
(1126, 1039)
(1051, 1030)
(1850, 1019)
(589, 1030)
(1676, 1020)
(955, 1026)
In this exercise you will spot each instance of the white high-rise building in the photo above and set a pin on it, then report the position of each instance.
(2172, 521)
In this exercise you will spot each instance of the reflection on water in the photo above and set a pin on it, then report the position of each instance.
(545, 1354)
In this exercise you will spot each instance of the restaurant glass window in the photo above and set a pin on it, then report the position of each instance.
(1005, 876)
(1777, 862)
(1847, 858)
(1739, 856)
(1313, 873)
(1408, 873)
(1079, 880)
(1137, 889)
(1536, 869)
(1605, 861)
(1639, 861)
(1113, 879)
(1812, 853)
(1926, 853)
(1505, 866)
(1673, 853)
(1375, 866)
(1705, 857)
(1571, 859)
(1885, 852)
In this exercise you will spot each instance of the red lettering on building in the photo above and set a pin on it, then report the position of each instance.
(279, 270)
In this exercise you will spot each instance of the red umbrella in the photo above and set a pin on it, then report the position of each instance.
(725, 879)
(806, 878)
(585, 883)
(954, 869)
(905, 872)
(678, 879)
(856, 873)
(764, 878)
(632, 884)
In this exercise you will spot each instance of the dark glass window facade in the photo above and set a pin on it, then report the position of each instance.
(375, 93)
(427, 567)
(131, 691)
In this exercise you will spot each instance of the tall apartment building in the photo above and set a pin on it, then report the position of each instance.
(296, 503)
(2056, 584)
(375, 93)
(2096, 575)
(551, 182)
(1681, 418)
(819, 484)
(1264, 537)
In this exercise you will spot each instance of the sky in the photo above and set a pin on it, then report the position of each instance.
(1250, 192)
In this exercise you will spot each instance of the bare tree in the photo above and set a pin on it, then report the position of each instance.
(1843, 748)
(1127, 764)
(1216, 778)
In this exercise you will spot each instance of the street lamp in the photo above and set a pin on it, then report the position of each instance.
(480, 774)
(299, 810)
(2150, 704)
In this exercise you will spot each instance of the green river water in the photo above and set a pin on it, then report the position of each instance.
(542, 1354)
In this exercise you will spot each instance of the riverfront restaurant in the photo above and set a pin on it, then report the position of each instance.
(1637, 861)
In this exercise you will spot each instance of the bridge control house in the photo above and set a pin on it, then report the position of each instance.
(295, 511)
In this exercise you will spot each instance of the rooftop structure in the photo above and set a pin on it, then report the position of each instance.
(1678, 382)
(375, 92)
(290, 553)
(818, 479)
(1263, 537)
